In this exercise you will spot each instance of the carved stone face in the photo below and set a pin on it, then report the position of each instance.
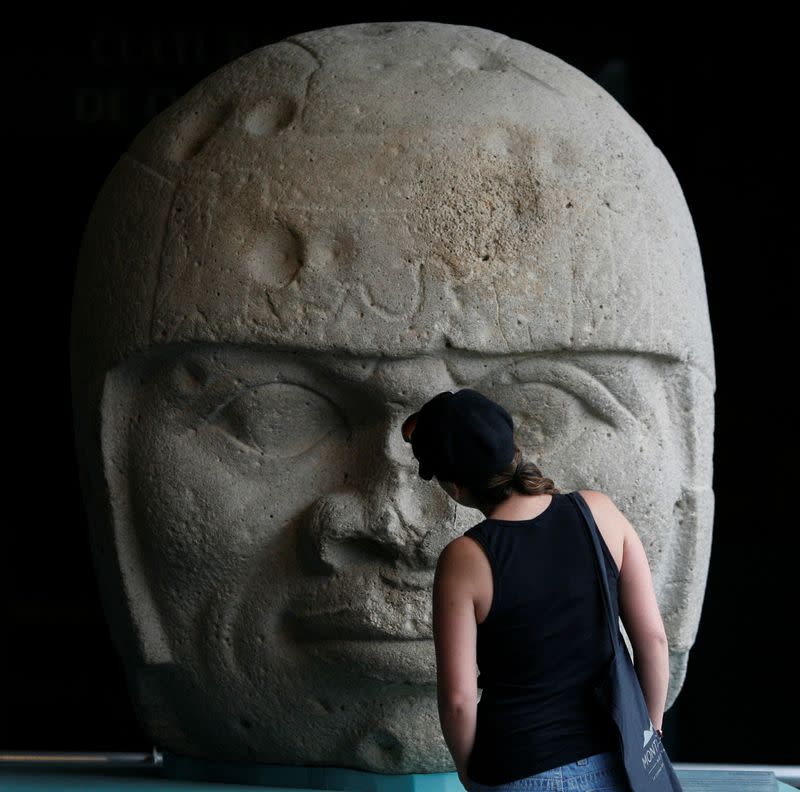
(290, 260)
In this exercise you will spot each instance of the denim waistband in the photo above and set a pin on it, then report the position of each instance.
(583, 774)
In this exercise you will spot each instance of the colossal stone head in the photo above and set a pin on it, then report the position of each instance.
(288, 261)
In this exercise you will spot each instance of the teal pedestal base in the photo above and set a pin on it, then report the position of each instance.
(185, 774)
(291, 777)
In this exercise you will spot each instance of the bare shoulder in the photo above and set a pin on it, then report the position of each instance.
(637, 598)
(595, 497)
(460, 553)
(464, 568)
(611, 522)
(601, 504)
(464, 558)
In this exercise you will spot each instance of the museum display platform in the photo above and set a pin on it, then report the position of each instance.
(166, 772)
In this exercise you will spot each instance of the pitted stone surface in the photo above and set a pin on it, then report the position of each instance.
(289, 260)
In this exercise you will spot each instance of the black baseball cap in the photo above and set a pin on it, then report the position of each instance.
(463, 437)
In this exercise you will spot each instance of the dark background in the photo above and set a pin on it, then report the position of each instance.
(714, 99)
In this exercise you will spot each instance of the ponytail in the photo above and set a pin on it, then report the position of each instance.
(520, 476)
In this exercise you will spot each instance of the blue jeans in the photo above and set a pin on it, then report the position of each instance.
(603, 772)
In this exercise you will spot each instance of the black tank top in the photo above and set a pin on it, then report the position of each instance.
(541, 647)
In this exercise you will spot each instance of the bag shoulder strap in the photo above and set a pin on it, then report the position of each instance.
(591, 527)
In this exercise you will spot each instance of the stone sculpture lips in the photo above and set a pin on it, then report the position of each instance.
(364, 620)
(356, 624)
(375, 636)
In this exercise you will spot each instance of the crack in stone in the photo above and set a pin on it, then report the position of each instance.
(310, 77)
(497, 308)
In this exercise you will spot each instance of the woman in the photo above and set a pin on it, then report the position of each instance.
(518, 593)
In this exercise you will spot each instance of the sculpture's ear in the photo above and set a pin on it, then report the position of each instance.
(131, 611)
(685, 573)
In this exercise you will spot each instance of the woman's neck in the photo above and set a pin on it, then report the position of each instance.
(519, 507)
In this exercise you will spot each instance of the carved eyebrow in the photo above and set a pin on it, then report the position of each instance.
(571, 376)
(567, 374)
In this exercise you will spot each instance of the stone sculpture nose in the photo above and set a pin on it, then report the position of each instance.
(385, 518)
(348, 528)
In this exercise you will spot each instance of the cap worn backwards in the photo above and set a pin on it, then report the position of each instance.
(462, 437)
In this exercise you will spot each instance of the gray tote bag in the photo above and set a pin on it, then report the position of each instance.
(646, 762)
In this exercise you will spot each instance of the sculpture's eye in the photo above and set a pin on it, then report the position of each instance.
(549, 417)
(278, 419)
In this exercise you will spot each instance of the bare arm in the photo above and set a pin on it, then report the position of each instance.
(638, 608)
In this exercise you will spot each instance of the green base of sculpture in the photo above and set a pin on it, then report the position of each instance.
(177, 773)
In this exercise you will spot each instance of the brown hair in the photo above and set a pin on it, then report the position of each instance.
(520, 476)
